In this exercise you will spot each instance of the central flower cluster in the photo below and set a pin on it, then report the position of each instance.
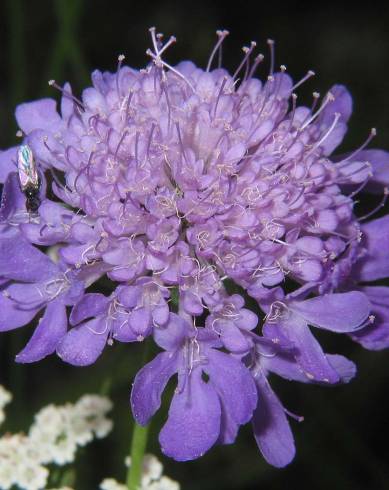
(186, 186)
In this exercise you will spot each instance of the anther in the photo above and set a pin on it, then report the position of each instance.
(159, 39)
(316, 97)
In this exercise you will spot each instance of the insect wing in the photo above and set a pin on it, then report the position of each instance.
(28, 174)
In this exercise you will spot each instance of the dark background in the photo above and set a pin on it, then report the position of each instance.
(343, 442)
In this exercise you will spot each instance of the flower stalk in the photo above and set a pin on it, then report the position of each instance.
(138, 448)
(138, 443)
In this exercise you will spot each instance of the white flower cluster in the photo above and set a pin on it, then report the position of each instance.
(56, 433)
(112, 484)
(20, 463)
(59, 430)
(152, 478)
(5, 398)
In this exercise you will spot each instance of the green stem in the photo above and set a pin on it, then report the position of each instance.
(138, 448)
(106, 387)
(62, 476)
(138, 443)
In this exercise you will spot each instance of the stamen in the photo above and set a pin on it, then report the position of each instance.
(159, 49)
(264, 102)
(270, 43)
(171, 41)
(298, 418)
(125, 133)
(220, 57)
(102, 332)
(219, 95)
(247, 52)
(149, 141)
(160, 62)
(129, 98)
(83, 169)
(121, 58)
(169, 111)
(257, 60)
(377, 208)
(373, 133)
(360, 187)
(52, 83)
(159, 40)
(278, 309)
(328, 99)
(316, 97)
(86, 261)
(154, 39)
(56, 179)
(137, 147)
(221, 35)
(292, 112)
(328, 132)
(309, 75)
(276, 89)
(180, 140)
(52, 152)
(346, 178)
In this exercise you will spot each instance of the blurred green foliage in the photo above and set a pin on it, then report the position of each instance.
(343, 442)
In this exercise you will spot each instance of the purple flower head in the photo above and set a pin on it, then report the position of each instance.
(197, 193)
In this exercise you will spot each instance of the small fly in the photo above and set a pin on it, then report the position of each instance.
(29, 178)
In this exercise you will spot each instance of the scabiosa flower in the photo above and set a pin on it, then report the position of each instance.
(197, 188)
